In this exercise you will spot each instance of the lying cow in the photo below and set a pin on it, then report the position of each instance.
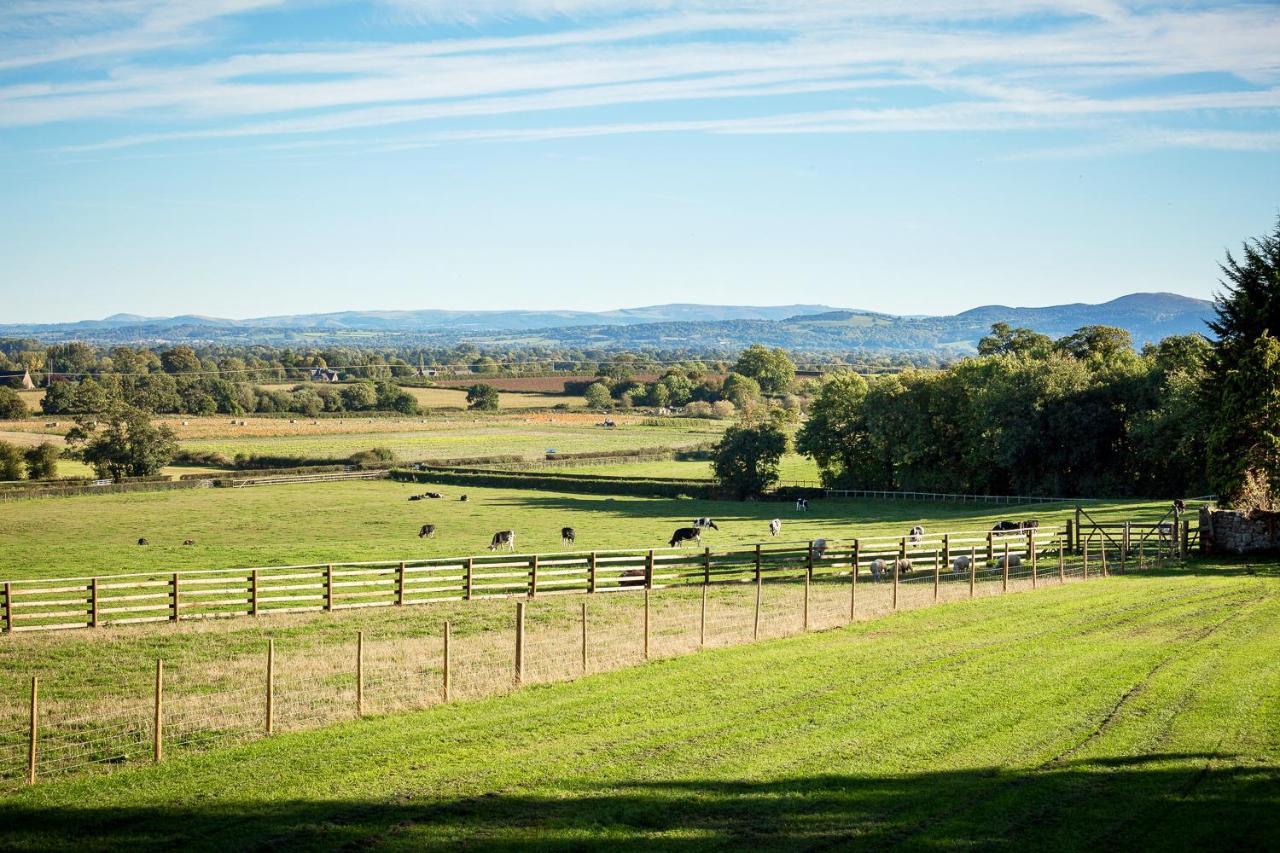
(503, 538)
(685, 534)
(427, 531)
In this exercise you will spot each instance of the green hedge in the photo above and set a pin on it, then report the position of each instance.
(550, 482)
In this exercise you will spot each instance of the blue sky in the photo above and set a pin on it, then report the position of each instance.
(251, 157)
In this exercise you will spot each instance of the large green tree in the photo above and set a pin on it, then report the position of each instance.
(772, 368)
(482, 398)
(128, 444)
(746, 459)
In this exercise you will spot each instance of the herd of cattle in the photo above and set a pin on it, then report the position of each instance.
(506, 539)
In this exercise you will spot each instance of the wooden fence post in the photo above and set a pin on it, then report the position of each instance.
(1124, 545)
(1004, 576)
(1069, 539)
(1077, 530)
(253, 593)
(1186, 538)
(591, 572)
(946, 550)
(973, 569)
(35, 729)
(646, 623)
(519, 642)
(93, 603)
(702, 620)
(853, 579)
(648, 570)
(328, 587)
(469, 571)
(584, 638)
(1031, 546)
(173, 606)
(400, 585)
(8, 607)
(157, 723)
(896, 563)
(1103, 545)
(359, 673)
(991, 548)
(755, 631)
(937, 574)
(807, 576)
(1062, 562)
(448, 636)
(533, 576)
(271, 685)
(1085, 552)
(706, 565)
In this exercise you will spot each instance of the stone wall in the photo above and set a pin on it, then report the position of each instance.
(1229, 532)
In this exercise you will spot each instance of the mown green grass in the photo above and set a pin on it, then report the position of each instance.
(358, 521)
(1140, 712)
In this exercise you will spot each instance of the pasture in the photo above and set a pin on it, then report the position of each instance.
(359, 521)
(1130, 712)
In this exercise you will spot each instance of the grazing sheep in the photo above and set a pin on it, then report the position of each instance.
(503, 538)
(685, 534)
(878, 568)
(567, 536)
(188, 541)
(775, 527)
(903, 565)
(427, 531)
(916, 536)
(960, 564)
(143, 542)
(819, 548)
(1015, 560)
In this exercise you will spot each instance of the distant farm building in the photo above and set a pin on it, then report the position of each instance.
(324, 374)
(17, 379)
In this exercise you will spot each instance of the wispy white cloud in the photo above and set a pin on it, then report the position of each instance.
(934, 65)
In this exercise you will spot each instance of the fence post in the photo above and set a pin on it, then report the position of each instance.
(1085, 562)
(646, 623)
(755, 631)
(1069, 534)
(467, 590)
(253, 593)
(448, 635)
(271, 685)
(973, 569)
(8, 607)
(533, 576)
(1103, 545)
(35, 728)
(937, 574)
(807, 576)
(1124, 545)
(702, 620)
(519, 642)
(896, 563)
(400, 585)
(584, 638)
(93, 603)
(706, 565)
(1031, 543)
(328, 587)
(591, 572)
(1186, 538)
(1004, 576)
(157, 724)
(853, 581)
(991, 548)
(946, 549)
(1062, 563)
(902, 549)
(359, 673)
(1077, 530)
(648, 570)
(173, 606)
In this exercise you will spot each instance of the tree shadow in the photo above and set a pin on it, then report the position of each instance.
(1161, 801)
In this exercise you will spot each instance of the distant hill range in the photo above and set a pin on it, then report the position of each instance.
(1147, 316)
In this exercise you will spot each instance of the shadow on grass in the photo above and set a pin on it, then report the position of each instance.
(1165, 801)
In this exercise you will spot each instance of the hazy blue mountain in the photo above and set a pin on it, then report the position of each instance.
(1147, 316)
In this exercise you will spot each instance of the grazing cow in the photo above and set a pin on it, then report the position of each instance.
(802, 504)
(143, 542)
(463, 498)
(685, 534)
(567, 536)
(705, 523)
(1015, 560)
(427, 531)
(819, 548)
(959, 565)
(775, 527)
(1031, 524)
(503, 538)
(188, 541)
(903, 565)
(1005, 527)
(878, 568)
(916, 536)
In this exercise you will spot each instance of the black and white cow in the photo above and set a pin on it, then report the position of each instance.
(427, 531)
(503, 538)
(705, 523)
(685, 534)
(916, 535)
(567, 536)
(775, 527)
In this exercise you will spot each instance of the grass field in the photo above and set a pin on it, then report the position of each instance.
(1138, 712)
(356, 521)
